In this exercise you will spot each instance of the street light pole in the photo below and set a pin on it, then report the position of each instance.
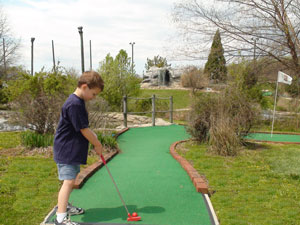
(32, 40)
(82, 52)
(132, 44)
(91, 66)
(53, 57)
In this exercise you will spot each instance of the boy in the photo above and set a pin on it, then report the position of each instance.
(72, 139)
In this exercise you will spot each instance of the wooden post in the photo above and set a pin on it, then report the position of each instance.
(153, 110)
(171, 109)
(125, 110)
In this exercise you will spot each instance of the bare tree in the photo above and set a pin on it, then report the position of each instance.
(8, 44)
(248, 28)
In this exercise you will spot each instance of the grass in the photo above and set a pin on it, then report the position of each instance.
(28, 187)
(28, 184)
(288, 125)
(181, 98)
(9, 139)
(259, 186)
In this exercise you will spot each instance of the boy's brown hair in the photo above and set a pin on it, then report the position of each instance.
(92, 79)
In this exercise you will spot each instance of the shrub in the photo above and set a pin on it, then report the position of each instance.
(98, 109)
(39, 98)
(199, 119)
(222, 120)
(36, 140)
(140, 105)
(223, 139)
(145, 105)
(162, 107)
(3, 94)
(107, 140)
(194, 78)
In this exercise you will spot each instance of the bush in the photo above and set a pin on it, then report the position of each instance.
(34, 140)
(199, 119)
(39, 98)
(194, 78)
(98, 109)
(145, 105)
(107, 140)
(3, 94)
(222, 120)
(223, 139)
(140, 105)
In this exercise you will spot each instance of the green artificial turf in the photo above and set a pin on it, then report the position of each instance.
(152, 183)
(275, 137)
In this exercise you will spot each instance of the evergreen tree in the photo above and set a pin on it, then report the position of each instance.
(216, 63)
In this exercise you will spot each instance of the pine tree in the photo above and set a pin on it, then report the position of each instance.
(216, 63)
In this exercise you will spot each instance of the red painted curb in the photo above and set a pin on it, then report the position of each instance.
(86, 173)
(199, 183)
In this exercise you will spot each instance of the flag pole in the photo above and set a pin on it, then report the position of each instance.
(274, 108)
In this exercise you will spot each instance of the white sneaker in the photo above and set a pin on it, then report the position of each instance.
(66, 221)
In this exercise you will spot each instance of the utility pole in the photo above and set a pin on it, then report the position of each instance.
(53, 56)
(32, 40)
(91, 67)
(132, 44)
(82, 52)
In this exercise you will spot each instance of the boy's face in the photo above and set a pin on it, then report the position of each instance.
(89, 94)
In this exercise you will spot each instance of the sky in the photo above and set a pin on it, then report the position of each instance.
(110, 25)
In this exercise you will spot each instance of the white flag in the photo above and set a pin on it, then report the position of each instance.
(284, 78)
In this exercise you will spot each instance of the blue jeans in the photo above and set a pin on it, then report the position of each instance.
(67, 172)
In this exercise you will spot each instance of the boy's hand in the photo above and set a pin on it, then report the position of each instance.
(99, 150)
(92, 138)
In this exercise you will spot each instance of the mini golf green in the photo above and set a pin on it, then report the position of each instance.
(291, 138)
(152, 183)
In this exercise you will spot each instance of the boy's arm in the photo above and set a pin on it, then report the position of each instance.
(92, 138)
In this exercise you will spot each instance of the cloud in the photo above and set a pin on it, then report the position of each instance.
(110, 24)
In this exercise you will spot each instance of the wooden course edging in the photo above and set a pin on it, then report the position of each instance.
(86, 173)
(199, 183)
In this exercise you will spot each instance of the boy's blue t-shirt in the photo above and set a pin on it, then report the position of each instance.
(70, 146)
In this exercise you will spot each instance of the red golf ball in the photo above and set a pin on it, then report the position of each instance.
(134, 214)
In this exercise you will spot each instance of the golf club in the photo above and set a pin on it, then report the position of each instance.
(131, 217)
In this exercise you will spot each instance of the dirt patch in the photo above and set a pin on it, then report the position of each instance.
(22, 151)
(44, 152)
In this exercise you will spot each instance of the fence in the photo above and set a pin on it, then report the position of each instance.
(153, 112)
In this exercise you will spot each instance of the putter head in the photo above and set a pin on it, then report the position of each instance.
(137, 218)
(133, 218)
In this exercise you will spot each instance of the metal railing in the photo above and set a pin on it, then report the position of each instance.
(153, 98)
